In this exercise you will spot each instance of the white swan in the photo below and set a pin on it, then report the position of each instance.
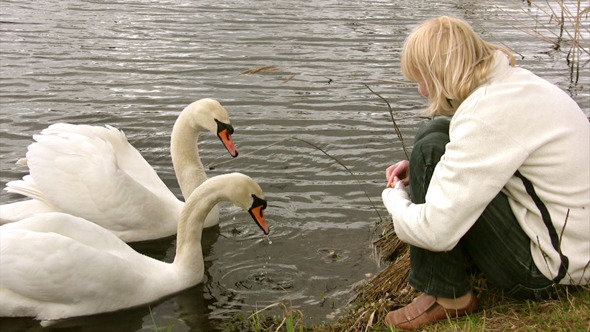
(55, 265)
(93, 172)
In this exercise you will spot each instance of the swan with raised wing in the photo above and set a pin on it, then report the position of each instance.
(55, 265)
(94, 173)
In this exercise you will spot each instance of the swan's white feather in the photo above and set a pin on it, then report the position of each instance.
(26, 187)
(20, 210)
(92, 180)
(114, 141)
(95, 173)
(55, 265)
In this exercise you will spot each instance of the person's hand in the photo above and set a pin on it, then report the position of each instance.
(398, 172)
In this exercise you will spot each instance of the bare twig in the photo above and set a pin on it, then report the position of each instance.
(567, 215)
(214, 166)
(211, 167)
(397, 130)
(289, 78)
(349, 171)
(397, 82)
(499, 41)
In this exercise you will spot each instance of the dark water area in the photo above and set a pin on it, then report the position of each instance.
(136, 64)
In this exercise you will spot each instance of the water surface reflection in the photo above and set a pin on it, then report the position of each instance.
(136, 64)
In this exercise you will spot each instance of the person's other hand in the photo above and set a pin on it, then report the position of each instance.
(399, 171)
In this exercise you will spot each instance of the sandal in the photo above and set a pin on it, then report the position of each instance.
(424, 310)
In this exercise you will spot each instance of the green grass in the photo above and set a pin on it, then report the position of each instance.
(568, 314)
(156, 328)
(496, 314)
(289, 320)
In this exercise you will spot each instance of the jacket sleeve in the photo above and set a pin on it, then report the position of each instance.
(479, 159)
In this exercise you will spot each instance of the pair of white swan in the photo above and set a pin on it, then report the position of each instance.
(94, 173)
(55, 265)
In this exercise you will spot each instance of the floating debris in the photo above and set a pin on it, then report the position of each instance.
(260, 69)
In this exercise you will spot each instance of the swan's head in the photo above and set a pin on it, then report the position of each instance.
(243, 192)
(210, 115)
(248, 195)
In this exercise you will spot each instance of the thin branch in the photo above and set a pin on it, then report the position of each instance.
(318, 148)
(214, 166)
(397, 130)
(349, 171)
(396, 82)
(567, 215)
(545, 257)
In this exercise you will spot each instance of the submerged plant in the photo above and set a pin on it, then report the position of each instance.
(156, 328)
(291, 319)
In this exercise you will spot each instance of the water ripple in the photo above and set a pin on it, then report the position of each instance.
(135, 64)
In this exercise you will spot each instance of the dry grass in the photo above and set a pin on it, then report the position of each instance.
(389, 290)
(259, 70)
(560, 23)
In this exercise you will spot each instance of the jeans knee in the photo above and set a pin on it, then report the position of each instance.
(436, 125)
(428, 150)
(429, 147)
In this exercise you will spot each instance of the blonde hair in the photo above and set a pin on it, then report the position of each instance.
(450, 58)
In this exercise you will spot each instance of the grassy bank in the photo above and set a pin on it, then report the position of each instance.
(389, 290)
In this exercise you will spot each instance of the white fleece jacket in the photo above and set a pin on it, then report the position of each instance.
(514, 121)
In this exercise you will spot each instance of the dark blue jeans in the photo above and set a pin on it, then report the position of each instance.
(496, 243)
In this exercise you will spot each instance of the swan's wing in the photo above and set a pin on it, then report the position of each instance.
(26, 187)
(68, 264)
(75, 228)
(128, 158)
(80, 175)
(23, 209)
(16, 211)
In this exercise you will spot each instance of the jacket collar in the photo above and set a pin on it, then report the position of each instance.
(500, 64)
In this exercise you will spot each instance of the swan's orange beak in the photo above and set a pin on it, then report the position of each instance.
(224, 132)
(228, 142)
(257, 213)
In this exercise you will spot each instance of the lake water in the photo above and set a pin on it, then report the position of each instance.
(136, 64)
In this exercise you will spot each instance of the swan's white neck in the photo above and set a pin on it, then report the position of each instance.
(188, 167)
(189, 256)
